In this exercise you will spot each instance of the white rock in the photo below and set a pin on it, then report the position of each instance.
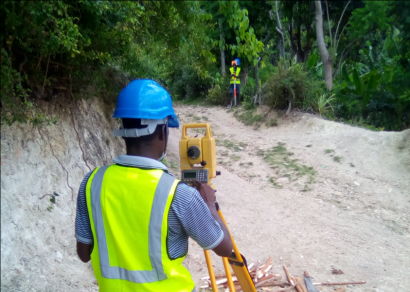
(59, 255)
(356, 183)
(42, 276)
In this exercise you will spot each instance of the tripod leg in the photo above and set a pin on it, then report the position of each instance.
(228, 274)
(211, 270)
(238, 264)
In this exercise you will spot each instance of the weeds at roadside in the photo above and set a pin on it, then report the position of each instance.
(279, 158)
(247, 117)
(173, 165)
(235, 158)
(272, 123)
(230, 144)
(250, 163)
(201, 131)
(275, 184)
(224, 153)
(205, 118)
(196, 118)
(335, 158)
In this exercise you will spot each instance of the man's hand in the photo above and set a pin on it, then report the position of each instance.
(207, 193)
(84, 251)
(224, 249)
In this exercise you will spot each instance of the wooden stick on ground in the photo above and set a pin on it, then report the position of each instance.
(338, 284)
(298, 287)
(256, 273)
(271, 282)
(301, 284)
(288, 276)
(265, 266)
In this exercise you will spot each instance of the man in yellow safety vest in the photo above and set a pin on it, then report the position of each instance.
(235, 84)
(133, 218)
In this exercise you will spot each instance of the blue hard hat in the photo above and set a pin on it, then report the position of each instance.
(145, 99)
(238, 62)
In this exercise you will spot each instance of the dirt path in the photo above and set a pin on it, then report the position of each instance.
(313, 194)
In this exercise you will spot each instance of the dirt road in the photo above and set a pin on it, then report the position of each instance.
(314, 194)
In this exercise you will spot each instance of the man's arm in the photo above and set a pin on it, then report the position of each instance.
(224, 249)
(83, 231)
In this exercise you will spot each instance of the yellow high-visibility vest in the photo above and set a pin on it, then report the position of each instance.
(238, 81)
(128, 210)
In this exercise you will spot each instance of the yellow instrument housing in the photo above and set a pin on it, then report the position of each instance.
(206, 145)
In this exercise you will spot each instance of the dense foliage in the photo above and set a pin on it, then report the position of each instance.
(84, 48)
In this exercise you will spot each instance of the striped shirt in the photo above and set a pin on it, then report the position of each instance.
(188, 216)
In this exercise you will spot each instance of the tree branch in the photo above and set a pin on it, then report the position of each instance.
(339, 24)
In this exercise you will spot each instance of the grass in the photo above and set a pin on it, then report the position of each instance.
(195, 118)
(275, 184)
(280, 158)
(205, 118)
(173, 165)
(224, 154)
(235, 157)
(335, 158)
(170, 164)
(272, 123)
(251, 176)
(247, 117)
(230, 144)
(199, 130)
(246, 163)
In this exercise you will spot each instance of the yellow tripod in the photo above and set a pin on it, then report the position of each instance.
(237, 263)
(198, 162)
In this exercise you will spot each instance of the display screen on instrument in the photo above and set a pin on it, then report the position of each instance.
(190, 174)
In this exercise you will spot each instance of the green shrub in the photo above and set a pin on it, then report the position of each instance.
(291, 84)
(248, 90)
(218, 94)
(266, 72)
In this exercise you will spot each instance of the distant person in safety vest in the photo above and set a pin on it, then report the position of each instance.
(235, 84)
(133, 218)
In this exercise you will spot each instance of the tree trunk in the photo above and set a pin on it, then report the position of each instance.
(257, 86)
(279, 29)
(244, 78)
(324, 54)
(294, 50)
(221, 48)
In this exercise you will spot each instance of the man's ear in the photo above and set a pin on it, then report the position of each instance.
(162, 134)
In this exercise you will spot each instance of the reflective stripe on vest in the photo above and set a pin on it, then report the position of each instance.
(238, 80)
(160, 198)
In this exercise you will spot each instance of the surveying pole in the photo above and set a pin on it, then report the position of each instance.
(234, 89)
